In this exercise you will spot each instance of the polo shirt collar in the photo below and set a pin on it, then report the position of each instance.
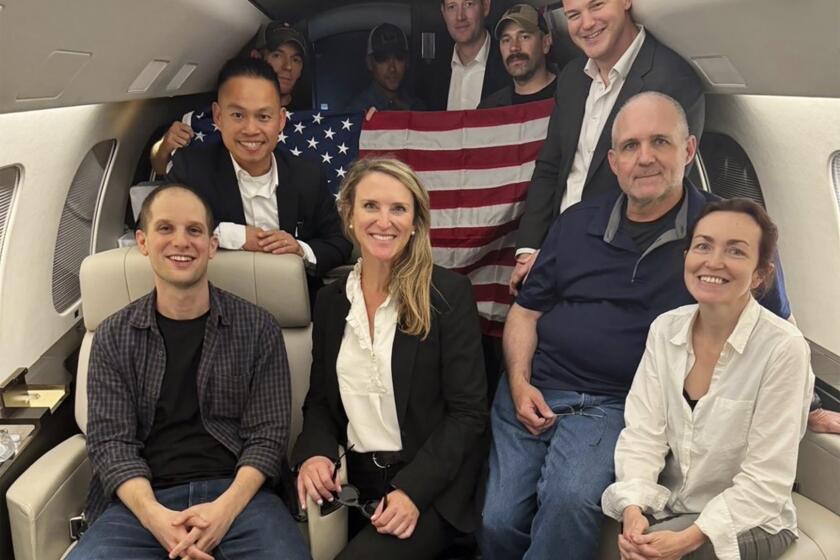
(480, 58)
(740, 335)
(608, 221)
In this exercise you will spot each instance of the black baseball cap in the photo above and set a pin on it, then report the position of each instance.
(275, 33)
(385, 39)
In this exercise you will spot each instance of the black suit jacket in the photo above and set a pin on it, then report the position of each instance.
(656, 68)
(304, 204)
(434, 78)
(440, 393)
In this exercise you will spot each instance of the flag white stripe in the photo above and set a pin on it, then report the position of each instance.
(460, 179)
(493, 311)
(491, 274)
(449, 257)
(458, 139)
(483, 216)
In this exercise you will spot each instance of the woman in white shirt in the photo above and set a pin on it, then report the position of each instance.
(706, 462)
(397, 378)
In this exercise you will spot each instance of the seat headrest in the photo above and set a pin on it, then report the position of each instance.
(112, 279)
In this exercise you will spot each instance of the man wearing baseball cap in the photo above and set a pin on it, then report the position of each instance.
(283, 47)
(524, 42)
(387, 59)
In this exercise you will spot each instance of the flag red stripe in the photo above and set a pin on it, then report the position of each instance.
(506, 257)
(476, 198)
(492, 292)
(470, 237)
(439, 121)
(466, 159)
(491, 328)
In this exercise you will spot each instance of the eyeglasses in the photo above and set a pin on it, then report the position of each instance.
(349, 496)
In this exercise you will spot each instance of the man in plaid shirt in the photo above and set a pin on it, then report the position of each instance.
(189, 405)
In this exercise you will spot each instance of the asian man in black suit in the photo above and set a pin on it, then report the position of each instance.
(621, 59)
(264, 199)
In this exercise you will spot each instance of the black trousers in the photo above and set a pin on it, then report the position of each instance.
(432, 535)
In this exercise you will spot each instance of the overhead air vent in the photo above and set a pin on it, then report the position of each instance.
(720, 72)
(728, 168)
(9, 177)
(835, 175)
(73, 242)
(53, 76)
(148, 76)
(181, 76)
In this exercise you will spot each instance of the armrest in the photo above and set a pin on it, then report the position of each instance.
(44, 498)
(819, 463)
(327, 534)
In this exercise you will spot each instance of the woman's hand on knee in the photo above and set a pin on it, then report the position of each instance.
(399, 518)
(316, 479)
(634, 524)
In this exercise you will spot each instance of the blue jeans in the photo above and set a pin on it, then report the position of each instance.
(544, 492)
(264, 529)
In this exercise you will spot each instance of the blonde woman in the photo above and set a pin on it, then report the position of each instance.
(397, 379)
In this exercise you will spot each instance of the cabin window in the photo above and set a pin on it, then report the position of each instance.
(835, 175)
(9, 177)
(75, 229)
(728, 168)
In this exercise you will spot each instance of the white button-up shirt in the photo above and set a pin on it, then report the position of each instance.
(467, 80)
(599, 105)
(364, 372)
(259, 202)
(733, 458)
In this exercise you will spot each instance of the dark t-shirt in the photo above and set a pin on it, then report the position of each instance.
(179, 449)
(644, 234)
(545, 93)
(507, 96)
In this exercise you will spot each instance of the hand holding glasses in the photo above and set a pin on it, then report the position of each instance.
(348, 495)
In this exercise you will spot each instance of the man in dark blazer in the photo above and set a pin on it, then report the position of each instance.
(621, 60)
(264, 199)
(451, 87)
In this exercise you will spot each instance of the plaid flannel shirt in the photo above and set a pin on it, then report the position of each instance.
(244, 391)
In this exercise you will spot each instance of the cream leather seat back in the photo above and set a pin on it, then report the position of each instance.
(112, 279)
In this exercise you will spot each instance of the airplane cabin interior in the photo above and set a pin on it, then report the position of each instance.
(87, 86)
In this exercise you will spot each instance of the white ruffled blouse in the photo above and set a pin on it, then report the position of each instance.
(364, 372)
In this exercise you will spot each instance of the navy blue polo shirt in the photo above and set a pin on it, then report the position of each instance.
(599, 294)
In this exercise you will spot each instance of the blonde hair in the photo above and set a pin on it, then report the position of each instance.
(411, 276)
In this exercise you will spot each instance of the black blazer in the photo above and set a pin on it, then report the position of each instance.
(440, 393)
(433, 85)
(656, 68)
(304, 204)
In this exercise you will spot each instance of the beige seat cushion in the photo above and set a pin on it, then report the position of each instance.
(819, 534)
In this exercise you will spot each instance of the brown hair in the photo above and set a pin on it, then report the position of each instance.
(146, 208)
(411, 276)
(769, 234)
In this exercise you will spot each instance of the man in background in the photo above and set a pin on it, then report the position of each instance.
(524, 43)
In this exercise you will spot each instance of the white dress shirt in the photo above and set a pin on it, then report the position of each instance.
(259, 202)
(599, 105)
(467, 80)
(733, 458)
(364, 372)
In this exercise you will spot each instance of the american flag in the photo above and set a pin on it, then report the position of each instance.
(475, 164)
